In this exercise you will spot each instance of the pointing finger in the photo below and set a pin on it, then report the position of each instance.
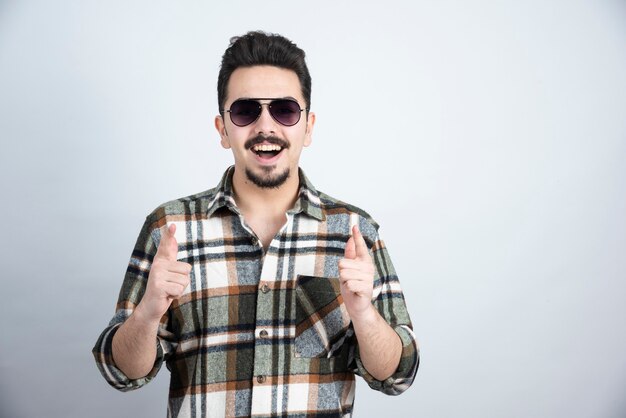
(350, 250)
(360, 245)
(168, 247)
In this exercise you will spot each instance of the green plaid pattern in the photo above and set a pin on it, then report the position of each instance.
(260, 333)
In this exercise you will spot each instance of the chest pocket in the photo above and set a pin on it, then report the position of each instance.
(322, 321)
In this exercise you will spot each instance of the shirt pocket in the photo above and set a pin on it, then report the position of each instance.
(322, 321)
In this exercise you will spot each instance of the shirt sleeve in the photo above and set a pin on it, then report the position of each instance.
(133, 288)
(389, 300)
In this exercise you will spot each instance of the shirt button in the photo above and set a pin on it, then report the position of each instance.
(265, 288)
(260, 379)
(254, 241)
(263, 333)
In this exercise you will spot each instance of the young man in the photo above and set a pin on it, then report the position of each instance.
(263, 295)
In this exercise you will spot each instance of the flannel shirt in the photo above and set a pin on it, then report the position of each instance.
(260, 333)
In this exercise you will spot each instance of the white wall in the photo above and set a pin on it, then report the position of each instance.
(488, 138)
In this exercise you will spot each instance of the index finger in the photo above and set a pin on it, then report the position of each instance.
(359, 241)
(168, 247)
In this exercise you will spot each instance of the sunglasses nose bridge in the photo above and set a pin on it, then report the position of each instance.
(266, 120)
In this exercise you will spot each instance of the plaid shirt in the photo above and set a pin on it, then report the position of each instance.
(260, 333)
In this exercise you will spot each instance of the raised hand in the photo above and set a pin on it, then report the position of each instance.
(356, 274)
(167, 280)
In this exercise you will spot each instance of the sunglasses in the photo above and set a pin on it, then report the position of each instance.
(284, 111)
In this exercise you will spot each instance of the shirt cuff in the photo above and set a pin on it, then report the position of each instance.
(404, 375)
(103, 354)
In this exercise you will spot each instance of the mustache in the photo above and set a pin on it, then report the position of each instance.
(259, 139)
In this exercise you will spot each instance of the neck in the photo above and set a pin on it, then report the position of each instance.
(260, 200)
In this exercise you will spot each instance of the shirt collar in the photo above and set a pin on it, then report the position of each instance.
(308, 200)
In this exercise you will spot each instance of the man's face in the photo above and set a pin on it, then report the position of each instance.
(265, 150)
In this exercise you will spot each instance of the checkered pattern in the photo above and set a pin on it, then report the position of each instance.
(260, 333)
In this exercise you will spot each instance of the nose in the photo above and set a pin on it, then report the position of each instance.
(265, 124)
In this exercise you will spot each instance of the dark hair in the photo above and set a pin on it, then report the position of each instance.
(260, 48)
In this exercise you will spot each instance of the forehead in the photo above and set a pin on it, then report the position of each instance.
(263, 81)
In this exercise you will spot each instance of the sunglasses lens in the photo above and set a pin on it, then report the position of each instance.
(244, 112)
(286, 112)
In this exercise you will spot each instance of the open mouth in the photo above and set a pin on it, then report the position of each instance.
(267, 151)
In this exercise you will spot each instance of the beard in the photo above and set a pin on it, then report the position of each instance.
(268, 180)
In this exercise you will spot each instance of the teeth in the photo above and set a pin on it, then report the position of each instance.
(266, 147)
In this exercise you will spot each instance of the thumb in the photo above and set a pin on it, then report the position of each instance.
(350, 251)
(359, 243)
(168, 247)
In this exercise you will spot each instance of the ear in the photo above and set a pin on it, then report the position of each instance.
(221, 129)
(308, 135)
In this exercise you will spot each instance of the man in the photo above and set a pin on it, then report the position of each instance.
(263, 296)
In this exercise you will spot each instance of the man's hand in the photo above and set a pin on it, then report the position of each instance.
(167, 280)
(133, 347)
(356, 274)
(379, 345)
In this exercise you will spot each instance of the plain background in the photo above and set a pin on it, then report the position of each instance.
(488, 138)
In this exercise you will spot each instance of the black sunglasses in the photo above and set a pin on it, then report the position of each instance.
(245, 111)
